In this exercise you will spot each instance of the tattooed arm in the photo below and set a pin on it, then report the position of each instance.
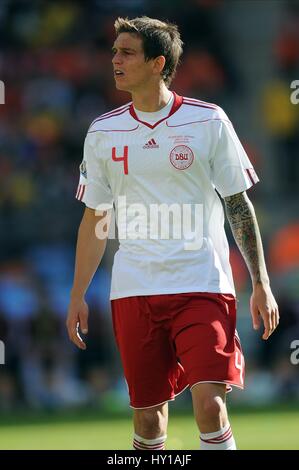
(242, 219)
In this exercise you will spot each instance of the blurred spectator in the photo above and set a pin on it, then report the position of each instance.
(284, 249)
(275, 355)
(281, 119)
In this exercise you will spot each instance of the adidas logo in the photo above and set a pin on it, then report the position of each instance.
(151, 144)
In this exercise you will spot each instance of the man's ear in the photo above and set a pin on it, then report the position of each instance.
(159, 64)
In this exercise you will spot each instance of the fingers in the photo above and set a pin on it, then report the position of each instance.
(83, 322)
(72, 328)
(77, 318)
(256, 319)
(271, 321)
(263, 305)
(267, 318)
(275, 318)
(78, 340)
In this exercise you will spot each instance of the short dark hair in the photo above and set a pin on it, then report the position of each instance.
(158, 38)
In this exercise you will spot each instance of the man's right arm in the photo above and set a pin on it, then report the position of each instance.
(89, 252)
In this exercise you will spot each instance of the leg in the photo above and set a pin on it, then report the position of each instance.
(209, 406)
(210, 352)
(150, 426)
(151, 423)
(149, 360)
(211, 416)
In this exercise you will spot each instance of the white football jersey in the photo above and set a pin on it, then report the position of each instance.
(176, 164)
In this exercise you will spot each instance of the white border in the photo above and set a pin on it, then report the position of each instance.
(165, 401)
(196, 383)
(217, 382)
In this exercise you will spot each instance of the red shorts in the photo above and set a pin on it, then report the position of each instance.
(168, 342)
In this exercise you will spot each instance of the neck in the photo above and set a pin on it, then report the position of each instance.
(151, 100)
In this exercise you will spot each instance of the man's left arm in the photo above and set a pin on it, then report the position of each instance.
(243, 222)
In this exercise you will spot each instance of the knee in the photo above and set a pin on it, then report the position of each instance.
(212, 411)
(150, 423)
(212, 407)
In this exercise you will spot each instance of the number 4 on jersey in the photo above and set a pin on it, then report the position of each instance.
(123, 158)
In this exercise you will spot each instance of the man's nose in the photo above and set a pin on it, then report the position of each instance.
(116, 59)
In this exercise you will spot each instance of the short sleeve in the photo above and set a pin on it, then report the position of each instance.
(93, 188)
(232, 171)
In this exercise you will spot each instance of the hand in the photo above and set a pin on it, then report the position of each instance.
(77, 318)
(263, 304)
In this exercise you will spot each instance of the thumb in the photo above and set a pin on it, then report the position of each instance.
(83, 321)
(256, 319)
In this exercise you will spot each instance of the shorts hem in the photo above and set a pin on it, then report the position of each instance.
(226, 382)
(162, 402)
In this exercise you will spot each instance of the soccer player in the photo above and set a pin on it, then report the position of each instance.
(173, 298)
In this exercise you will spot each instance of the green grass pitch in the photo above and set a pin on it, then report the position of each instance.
(276, 429)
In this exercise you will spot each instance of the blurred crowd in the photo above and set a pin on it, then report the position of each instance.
(55, 62)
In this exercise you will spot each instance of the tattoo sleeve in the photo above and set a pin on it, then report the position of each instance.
(243, 222)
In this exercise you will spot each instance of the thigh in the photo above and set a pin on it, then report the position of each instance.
(204, 334)
(147, 352)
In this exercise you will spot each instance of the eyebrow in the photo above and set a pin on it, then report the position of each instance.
(123, 49)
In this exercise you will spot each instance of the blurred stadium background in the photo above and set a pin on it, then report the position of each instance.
(55, 62)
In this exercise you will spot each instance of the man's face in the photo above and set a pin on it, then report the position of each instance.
(131, 71)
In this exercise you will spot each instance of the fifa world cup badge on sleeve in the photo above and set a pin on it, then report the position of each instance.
(83, 170)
